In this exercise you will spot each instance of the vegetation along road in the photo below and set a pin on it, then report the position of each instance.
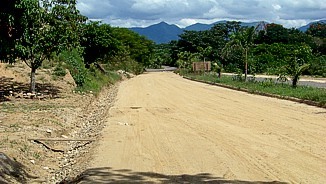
(165, 129)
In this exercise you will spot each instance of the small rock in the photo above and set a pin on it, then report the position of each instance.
(64, 136)
(19, 95)
(32, 161)
(46, 168)
(49, 131)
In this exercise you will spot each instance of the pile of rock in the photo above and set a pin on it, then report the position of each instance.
(39, 96)
(125, 74)
(89, 125)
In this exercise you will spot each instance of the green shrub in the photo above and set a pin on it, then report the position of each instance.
(59, 71)
(96, 80)
(75, 65)
(269, 86)
(318, 66)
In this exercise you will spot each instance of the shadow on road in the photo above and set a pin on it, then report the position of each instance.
(108, 175)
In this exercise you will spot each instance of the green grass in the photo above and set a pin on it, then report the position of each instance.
(97, 80)
(301, 92)
(8, 107)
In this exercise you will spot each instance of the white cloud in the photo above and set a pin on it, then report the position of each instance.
(130, 13)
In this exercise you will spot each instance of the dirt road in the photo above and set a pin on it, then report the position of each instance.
(165, 129)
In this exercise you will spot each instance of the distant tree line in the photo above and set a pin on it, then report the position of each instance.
(274, 50)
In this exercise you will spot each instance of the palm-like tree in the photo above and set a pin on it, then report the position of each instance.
(241, 40)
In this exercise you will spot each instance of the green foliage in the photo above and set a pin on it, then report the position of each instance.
(297, 62)
(302, 92)
(98, 42)
(139, 48)
(186, 59)
(59, 71)
(75, 65)
(123, 61)
(41, 28)
(9, 16)
(275, 33)
(161, 56)
(318, 66)
(239, 46)
(317, 30)
(96, 80)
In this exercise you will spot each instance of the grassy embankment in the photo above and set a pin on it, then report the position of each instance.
(316, 95)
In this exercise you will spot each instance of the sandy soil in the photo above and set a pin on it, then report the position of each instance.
(65, 115)
(165, 129)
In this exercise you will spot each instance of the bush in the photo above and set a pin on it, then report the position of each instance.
(125, 63)
(75, 65)
(59, 71)
(96, 79)
(318, 66)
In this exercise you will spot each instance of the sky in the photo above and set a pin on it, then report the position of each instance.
(142, 13)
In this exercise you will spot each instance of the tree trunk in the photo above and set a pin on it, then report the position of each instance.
(33, 80)
(246, 65)
(295, 81)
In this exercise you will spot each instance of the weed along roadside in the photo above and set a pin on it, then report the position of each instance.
(301, 94)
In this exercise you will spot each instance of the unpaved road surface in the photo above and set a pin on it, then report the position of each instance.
(165, 129)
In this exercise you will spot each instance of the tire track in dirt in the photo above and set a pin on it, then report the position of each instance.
(166, 126)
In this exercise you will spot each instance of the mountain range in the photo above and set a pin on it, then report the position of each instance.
(164, 32)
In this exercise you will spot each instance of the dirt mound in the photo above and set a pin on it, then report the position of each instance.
(14, 82)
(59, 120)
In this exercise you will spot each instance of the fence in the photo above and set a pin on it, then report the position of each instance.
(201, 66)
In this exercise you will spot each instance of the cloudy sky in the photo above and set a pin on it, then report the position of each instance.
(141, 13)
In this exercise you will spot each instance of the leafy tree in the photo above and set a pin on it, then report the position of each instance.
(45, 27)
(98, 42)
(317, 30)
(173, 52)
(275, 33)
(241, 41)
(9, 14)
(186, 59)
(161, 56)
(190, 41)
(318, 66)
(233, 27)
(298, 61)
(139, 47)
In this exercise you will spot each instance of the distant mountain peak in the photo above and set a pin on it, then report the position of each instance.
(163, 32)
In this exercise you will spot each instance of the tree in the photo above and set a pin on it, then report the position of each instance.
(297, 62)
(317, 30)
(98, 42)
(47, 27)
(241, 41)
(139, 47)
(275, 33)
(161, 56)
(9, 14)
